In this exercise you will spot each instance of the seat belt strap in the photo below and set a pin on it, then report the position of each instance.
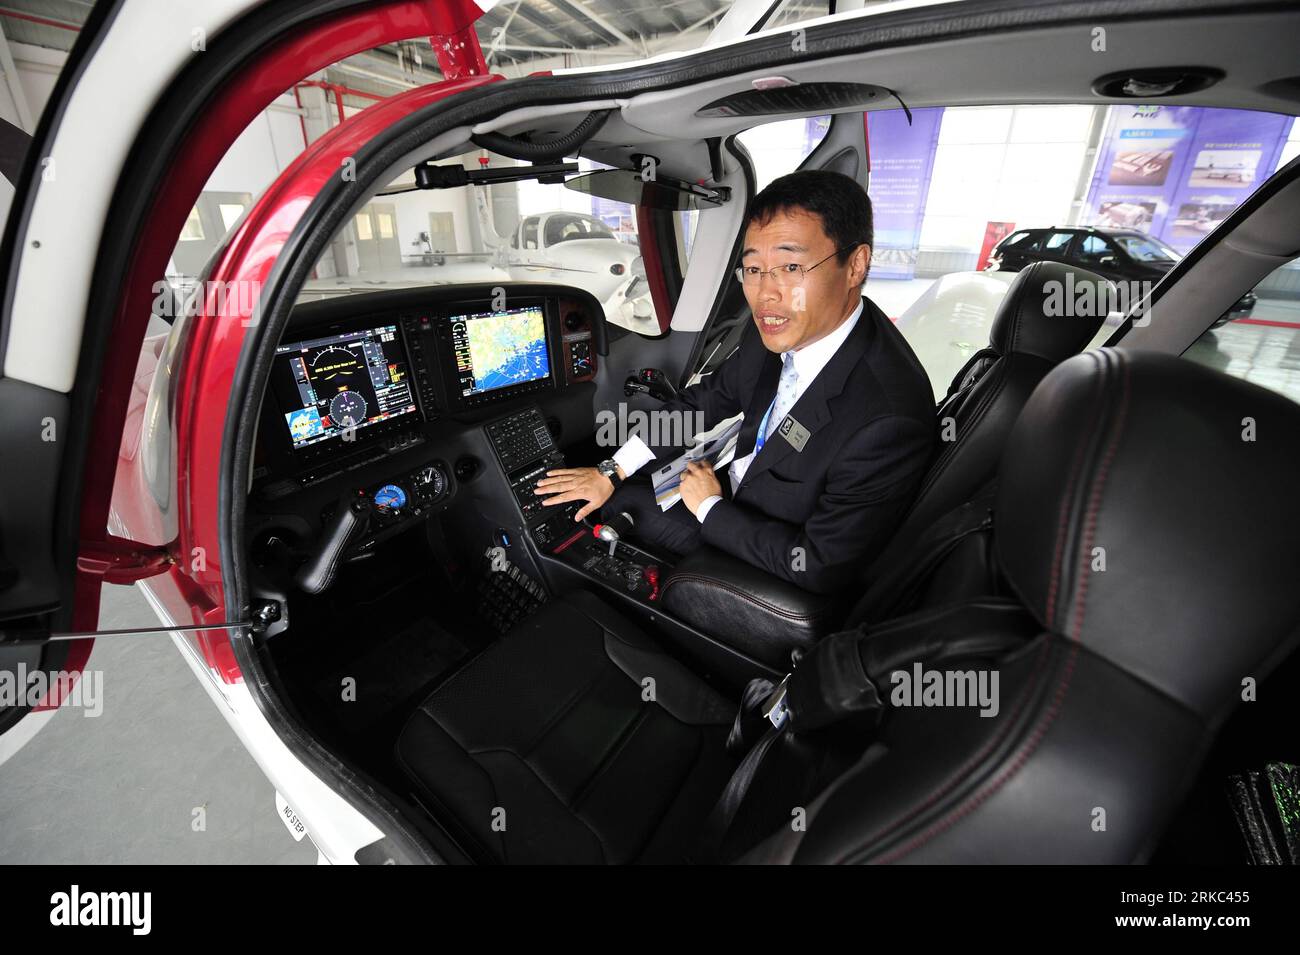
(840, 678)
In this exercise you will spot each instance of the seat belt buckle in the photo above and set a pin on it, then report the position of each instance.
(774, 708)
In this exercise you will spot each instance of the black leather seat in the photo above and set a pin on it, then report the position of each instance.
(1157, 551)
(1026, 341)
(544, 749)
(1102, 716)
(765, 617)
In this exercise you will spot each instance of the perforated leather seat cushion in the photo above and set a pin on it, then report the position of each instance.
(542, 748)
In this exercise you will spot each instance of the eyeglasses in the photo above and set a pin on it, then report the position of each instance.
(785, 276)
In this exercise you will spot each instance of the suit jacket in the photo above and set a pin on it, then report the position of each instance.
(818, 515)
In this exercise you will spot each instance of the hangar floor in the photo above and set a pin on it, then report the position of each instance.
(1264, 348)
(122, 787)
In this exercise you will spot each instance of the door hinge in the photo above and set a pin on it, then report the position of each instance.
(116, 560)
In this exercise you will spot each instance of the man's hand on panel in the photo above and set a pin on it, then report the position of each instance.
(576, 484)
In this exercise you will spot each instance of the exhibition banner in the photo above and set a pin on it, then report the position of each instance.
(901, 158)
(1175, 172)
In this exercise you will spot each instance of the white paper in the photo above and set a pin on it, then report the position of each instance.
(717, 446)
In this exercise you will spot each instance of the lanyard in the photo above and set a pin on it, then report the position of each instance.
(762, 428)
(762, 425)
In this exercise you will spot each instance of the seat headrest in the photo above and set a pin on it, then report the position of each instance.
(1145, 509)
(1051, 310)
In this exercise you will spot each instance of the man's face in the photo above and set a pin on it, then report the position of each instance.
(795, 316)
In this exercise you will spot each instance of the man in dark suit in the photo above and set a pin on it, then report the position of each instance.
(838, 425)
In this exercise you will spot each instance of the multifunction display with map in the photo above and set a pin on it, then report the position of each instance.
(500, 349)
(329, 386)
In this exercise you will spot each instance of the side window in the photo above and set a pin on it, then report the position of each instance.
(1093, 248)
(1258, 338)
(1017, 241)
(192, 231)
(685, 224)
(559, 228)
(230, 213)
(595, 229)
(530, 233)
(774, 149)
(779, 148)
(1058, 242)
(579, 227)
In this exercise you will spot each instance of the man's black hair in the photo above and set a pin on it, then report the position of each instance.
(840, 203)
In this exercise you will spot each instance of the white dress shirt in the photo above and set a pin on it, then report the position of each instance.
(808, 363)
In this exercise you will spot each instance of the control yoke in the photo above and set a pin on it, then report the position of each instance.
(349, 522)
(649, 381)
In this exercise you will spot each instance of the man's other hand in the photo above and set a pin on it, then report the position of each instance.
(576, 484)
(698, 482)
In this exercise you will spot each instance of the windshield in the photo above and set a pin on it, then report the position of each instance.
(523, 230)
(563, 228)
(1146, 249)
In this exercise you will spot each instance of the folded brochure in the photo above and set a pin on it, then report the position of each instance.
(717, 446)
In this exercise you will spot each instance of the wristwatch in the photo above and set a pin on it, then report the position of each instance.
(609, 468)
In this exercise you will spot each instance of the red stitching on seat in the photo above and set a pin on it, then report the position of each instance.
(979, 798)
(1094, 504)
(957, 776)
(1076, 468)
(1058, 699)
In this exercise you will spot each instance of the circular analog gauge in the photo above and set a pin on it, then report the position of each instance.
(333, 362)
(348, 409)
(432, 482)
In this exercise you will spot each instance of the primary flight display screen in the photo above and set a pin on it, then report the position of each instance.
(329, 386)
(500, 349)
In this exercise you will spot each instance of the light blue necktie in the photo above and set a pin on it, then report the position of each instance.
(781, 404)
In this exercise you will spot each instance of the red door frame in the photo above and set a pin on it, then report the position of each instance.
(213, 351)
(216, 337)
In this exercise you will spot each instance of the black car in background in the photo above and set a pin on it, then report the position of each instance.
(1118, 254)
